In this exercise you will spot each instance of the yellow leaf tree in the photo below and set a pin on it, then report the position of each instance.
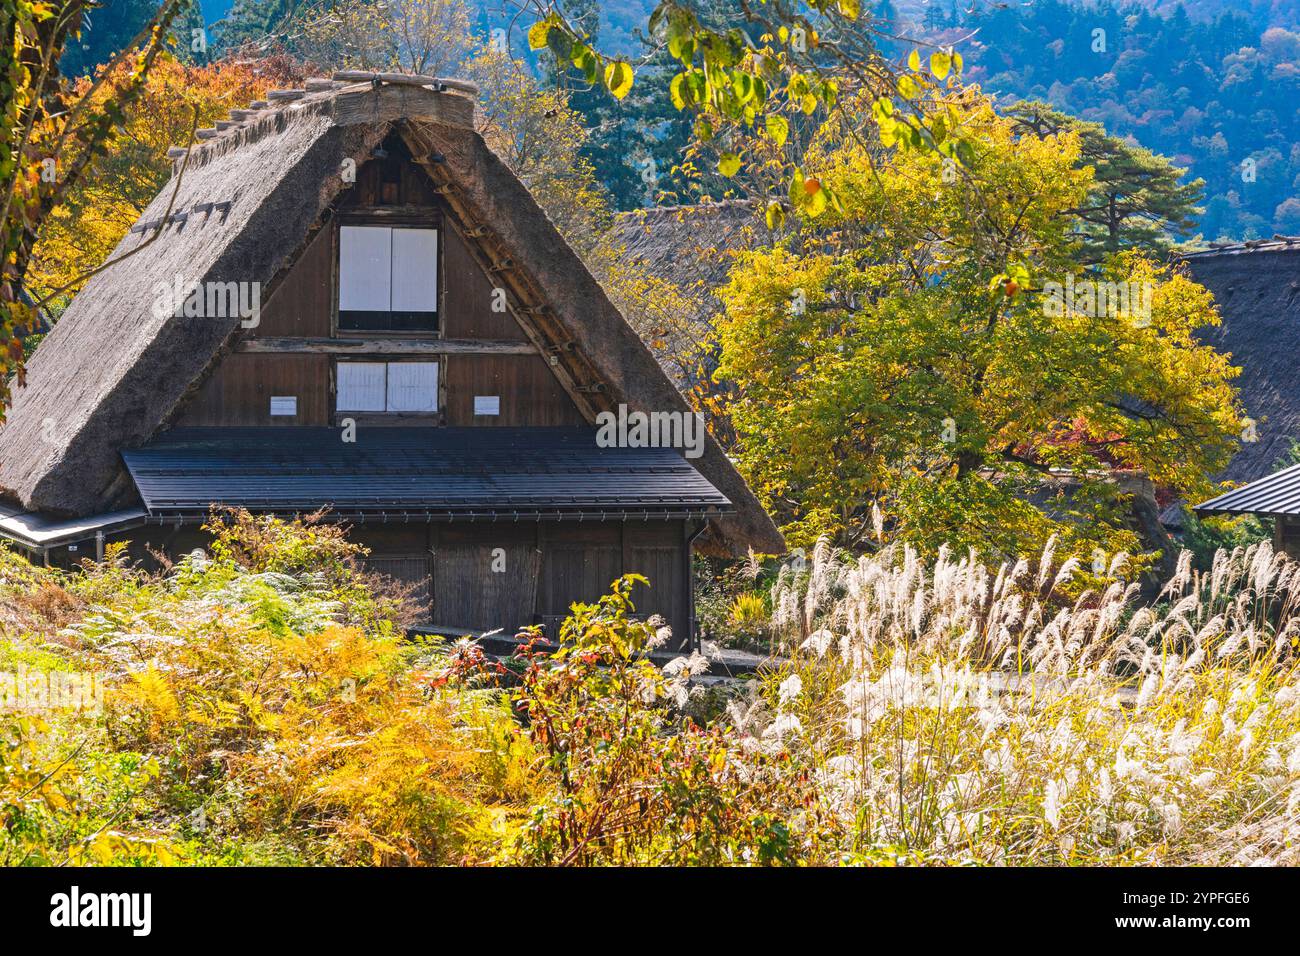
(936, 349)
(81, 233)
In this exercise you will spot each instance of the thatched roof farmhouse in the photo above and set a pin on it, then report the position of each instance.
(386, 243)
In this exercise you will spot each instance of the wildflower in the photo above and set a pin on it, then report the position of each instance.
(691, 666)
(818, 642)
(1181, 742)
(1147, 691)
(678, 692)
(784, 726)
(1172, 815)
(1126, 768)
(648, 692)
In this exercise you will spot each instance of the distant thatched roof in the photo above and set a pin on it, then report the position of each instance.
(1257, 289)
(112, 372)
(692, 247)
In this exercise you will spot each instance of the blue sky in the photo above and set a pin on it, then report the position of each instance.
(214, 9)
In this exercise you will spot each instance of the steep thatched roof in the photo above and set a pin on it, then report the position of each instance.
(112, 372)
(1257, 289)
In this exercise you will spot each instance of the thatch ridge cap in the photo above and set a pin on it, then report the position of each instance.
(1278, 243)
(278, 114)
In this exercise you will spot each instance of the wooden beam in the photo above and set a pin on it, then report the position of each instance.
(383, 346)
(529, 303)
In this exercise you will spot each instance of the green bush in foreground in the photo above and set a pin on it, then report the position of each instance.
(259, 706)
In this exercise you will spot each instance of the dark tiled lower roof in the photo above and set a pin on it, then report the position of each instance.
(1277, 494)
(439, 471)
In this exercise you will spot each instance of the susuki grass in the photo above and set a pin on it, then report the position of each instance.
(948, 712)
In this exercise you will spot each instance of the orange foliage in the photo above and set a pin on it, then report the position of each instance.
(81, 233)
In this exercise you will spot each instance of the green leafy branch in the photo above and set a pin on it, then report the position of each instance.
(745, 91)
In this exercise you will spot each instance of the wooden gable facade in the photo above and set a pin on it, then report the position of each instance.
(294, 351)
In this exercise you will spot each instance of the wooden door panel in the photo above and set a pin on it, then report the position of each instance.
(411, 571)
(482, 587)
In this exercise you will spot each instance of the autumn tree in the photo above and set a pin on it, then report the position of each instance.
(739, 79)
(96, 213)
(920, 343)
(931, 350)
(54, 135)
(425, 37)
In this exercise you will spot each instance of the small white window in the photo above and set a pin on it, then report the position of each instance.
(415, 270)
(362, 386)
(284, 406)
(487, 404)
(365, 269)
(413, 386)
(387, 387)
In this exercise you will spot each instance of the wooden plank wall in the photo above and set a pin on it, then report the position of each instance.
(580, 561)
(529, 393)
(392, 181)
(468, 295)
(655, 549)
(486, 576)
(578, 564)
(303, 302)
(238, 390)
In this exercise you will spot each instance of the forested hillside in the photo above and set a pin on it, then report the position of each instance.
(1210, 84)
(1218, 97)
